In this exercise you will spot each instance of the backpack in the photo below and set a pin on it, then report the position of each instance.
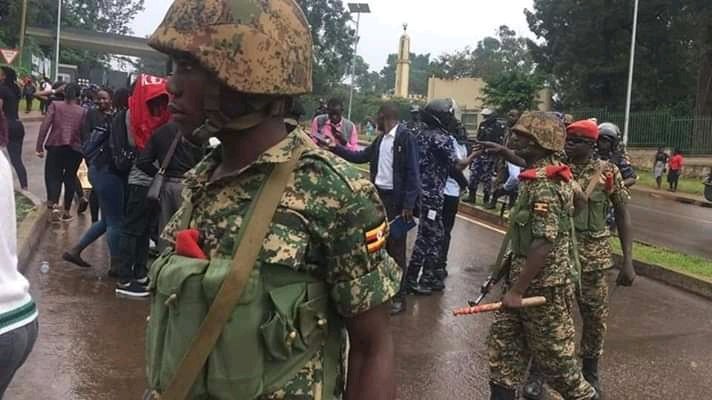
(123, 154)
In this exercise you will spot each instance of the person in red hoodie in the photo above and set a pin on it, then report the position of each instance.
(676, 163)
(147, 114)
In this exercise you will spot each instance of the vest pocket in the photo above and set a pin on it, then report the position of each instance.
(522, 232)
(597, 211)
(177, 311)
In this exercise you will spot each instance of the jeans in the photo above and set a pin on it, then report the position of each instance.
(15, 347)
(135, 230)
(61, 169)
(14, 150)
(110, 189)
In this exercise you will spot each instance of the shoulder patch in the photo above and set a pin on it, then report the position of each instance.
(541, 208)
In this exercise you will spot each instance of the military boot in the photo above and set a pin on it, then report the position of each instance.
(590, 373)
(431, 281)
(472, 197)
(498, 392)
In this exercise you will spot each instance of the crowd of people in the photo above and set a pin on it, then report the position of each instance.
(278, 246)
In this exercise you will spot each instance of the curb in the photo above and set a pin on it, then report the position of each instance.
(30, 231)
(672, 196)
(669, 277)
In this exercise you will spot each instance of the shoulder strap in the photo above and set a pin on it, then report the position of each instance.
(171, 152)
(595, 179)
(250, 239)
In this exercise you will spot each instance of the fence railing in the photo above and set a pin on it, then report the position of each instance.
(652, 129)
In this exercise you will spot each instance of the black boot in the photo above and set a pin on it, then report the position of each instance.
(431, 281)
(498, 392)
(590, 373)
(472, 197)
(413, 288)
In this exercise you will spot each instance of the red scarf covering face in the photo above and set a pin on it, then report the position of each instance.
(147, 88)
(551, 172)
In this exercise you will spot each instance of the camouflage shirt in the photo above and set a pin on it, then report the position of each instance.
(594, 248)
(321, 227)
(548, 205)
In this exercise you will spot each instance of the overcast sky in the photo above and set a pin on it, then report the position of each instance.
(435, 26)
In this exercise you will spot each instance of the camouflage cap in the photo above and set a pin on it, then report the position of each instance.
(545, 128)
(253, 46)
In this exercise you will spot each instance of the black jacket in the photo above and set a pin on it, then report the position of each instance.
(406, 170)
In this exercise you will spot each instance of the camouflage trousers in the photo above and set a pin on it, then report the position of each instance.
(593, 305)
(483, 170)
(547, 334)
(429, 243)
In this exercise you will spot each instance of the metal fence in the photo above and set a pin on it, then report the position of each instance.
(653, 129)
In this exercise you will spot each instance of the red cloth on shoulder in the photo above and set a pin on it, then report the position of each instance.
(187, 244)
(551, 172)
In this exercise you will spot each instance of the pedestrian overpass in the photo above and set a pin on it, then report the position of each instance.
(97, 41)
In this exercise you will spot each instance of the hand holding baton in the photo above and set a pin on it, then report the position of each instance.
(528, 302)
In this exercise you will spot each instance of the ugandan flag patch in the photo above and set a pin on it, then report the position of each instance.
(541, 208)
(376, 238)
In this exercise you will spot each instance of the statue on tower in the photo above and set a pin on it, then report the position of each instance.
(403, 67)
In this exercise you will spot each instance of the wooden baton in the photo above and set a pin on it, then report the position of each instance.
(528, 302)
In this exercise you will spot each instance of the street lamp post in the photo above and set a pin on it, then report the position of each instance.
(631, 71)
(358, 9)
(23, 28)
(59, 32)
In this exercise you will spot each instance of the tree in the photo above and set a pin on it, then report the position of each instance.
(333, 40)
(512, 90)
(585, 48)
(506, 52)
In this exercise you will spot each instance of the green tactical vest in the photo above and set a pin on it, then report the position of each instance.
(592, 219)
(522, 238)
(282, 320)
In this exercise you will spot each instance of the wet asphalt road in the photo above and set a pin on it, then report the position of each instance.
(91, 343)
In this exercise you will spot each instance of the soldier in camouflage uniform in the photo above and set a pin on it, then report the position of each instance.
(539, 264)
(483, 169)
(437, 158)
(238, 65)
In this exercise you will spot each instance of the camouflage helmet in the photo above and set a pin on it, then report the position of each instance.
(546, 129)
(257, 47)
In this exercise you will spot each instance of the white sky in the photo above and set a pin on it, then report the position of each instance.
(435, 26)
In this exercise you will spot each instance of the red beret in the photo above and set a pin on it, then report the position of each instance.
(585, 128)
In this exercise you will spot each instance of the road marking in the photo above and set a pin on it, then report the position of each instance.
(486, 226)
(670, 214)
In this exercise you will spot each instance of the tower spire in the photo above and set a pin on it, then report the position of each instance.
(403, 67)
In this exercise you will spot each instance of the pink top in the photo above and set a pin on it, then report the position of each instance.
(329, 128)
(65, 120)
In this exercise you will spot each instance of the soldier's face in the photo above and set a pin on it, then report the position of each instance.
(187, 86)
(605, 146)
(578, 147)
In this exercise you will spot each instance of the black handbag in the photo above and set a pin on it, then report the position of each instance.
(154, 191)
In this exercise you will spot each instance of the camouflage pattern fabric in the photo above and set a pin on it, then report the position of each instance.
(547, 334)
(595, 251)
(593, 303)
(545, 128)
(321, 227)
(482, 171)
(436, 155)
(548, 201)
(253, 46)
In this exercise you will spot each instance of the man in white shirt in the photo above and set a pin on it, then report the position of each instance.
(453, 190)
(394, 169)
(18, 312)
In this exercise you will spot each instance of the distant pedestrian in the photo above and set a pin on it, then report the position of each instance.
(10, 95)
(335, 127)
(28, 91)
(483, 169)
(660, 166)
(60, 135)
(18, 312)
(677, 162)
(46, 86)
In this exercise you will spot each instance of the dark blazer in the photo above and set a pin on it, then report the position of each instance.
(406, 171)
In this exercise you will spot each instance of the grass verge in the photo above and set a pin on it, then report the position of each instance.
(23, 206)
(698, 267)
(686, 185)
